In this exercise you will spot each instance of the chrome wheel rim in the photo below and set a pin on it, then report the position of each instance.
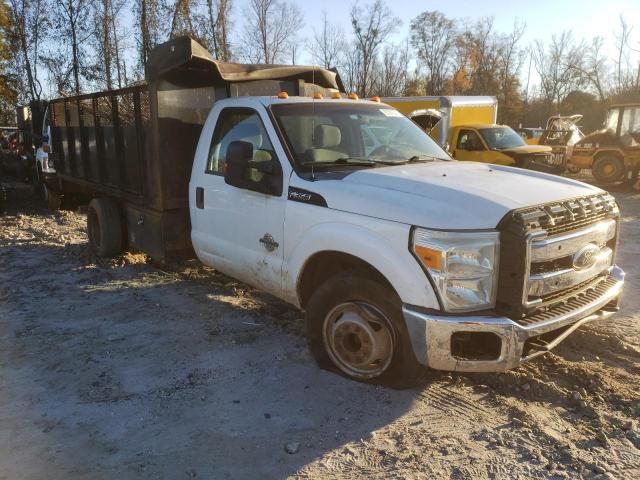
(359, 339)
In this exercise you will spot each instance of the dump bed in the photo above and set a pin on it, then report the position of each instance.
(137, 144)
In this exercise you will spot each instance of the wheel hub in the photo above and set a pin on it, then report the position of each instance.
(359, 340)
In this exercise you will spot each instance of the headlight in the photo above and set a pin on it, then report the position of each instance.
(463, 266)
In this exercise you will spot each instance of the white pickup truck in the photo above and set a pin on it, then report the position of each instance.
(401, 257)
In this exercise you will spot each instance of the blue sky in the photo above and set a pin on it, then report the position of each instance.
(586, 18)
(543, 18)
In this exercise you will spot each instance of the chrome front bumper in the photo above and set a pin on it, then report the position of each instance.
(431, 334)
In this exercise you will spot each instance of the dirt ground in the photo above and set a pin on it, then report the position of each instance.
(125, 369)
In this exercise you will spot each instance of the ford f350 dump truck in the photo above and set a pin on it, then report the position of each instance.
(400, 256)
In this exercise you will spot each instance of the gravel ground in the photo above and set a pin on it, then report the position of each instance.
(126, 369)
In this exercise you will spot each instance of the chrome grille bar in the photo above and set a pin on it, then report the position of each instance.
(558, 246)
(543, 284)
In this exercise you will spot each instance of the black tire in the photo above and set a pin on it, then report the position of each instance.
(608, 169)
(53, 198)
(573, 168)
(3, 199)
(37, 182)
(104, 227)
(399, 369)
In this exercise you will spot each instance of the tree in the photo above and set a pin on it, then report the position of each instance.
(594, 67)
(327, 45)
(107, 43)
(270, 29)
(390, 73)
(74, 27)
(149, 28)
(219, 13)
(433, 37)
(181, 23)
(8, 83)
(558, 67)
(627, 79)
(28, 20)
(510, 62)
(371, 25)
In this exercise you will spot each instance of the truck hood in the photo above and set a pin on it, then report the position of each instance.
(444, 195)
(526, 149)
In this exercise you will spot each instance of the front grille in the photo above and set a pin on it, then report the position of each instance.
(560, 217)
(538, 245)
(575, 299)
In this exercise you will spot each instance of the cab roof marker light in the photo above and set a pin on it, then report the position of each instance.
(336, 95)
(283, 95)
(317, 96)
(375, 98)
(353, 96)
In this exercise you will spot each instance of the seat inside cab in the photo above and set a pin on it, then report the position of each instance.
(326, 143)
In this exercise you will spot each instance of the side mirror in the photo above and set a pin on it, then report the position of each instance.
(239, 154)
(265, 167)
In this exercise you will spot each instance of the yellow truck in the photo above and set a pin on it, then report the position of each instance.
(466, 127)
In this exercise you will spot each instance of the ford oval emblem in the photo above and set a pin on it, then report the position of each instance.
(586, 257)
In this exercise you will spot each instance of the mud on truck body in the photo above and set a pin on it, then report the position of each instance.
(401, 257)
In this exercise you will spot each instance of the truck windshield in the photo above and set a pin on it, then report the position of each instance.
(340, 135)
(501, 138)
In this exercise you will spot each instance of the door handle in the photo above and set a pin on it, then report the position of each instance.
(269, 242)
(199, 197)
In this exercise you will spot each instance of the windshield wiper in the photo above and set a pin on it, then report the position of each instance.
(424, 158)
(343, 162)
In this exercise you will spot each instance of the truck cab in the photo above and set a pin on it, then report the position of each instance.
(496, 144)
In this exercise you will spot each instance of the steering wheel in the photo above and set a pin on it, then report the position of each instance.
(382, 150)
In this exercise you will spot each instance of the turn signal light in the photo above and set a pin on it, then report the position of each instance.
(430, 257)
(46, 148)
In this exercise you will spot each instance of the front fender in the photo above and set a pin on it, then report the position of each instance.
(385, 248)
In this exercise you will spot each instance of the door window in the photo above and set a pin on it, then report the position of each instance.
(469, 140)
(630, 127)
(239, 124)
(260, 171)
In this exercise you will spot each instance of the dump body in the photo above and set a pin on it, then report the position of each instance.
(137, 144)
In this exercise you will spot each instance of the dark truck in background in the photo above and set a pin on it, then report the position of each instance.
(136, 145)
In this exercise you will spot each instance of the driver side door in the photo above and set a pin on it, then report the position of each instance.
(469, 147)
(239, 230)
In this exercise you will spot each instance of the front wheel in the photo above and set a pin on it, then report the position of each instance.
(355, 325)
(608, 169)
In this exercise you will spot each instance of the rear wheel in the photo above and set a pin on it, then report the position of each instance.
(608, 169)
(104, 227)
(53, 198)
(355, 326)
(573, 168)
